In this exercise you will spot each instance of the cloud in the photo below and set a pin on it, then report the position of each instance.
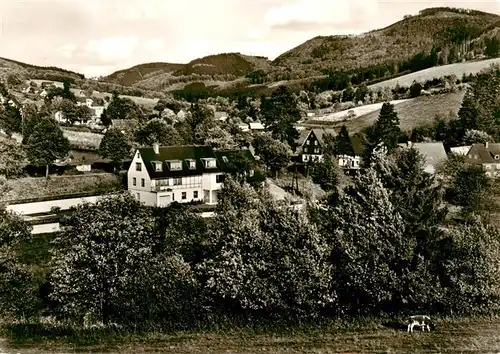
(67, 50)
(113, 48)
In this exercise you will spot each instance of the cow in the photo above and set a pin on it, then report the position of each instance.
(422, 321)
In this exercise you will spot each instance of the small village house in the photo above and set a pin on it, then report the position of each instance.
(485, 155)
(159, 176)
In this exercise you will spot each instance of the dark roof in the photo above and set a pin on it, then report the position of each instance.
(319, 133)
(182, 153)
(185, 154)
(224, 157)
(484, 155)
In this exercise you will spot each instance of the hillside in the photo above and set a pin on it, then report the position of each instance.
(436, 36)
(23, 70)
(457, 69)
(159, 76)
(414, 112)
(402, 41)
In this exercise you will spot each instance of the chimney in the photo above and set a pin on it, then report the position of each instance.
(156, 148)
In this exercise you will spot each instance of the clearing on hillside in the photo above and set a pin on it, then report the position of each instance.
(457, 69)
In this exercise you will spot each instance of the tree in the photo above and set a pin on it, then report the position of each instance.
(280, 113)
(342, 143)
(122, 108)
(325, 173)
(66, 92)
(266, 259)
(114, 146)
(415, 89)
(105, 119)
(10, 119)
(96, 267)
(477, 136)
(216, 137)
(158, 131)
(274, 153)
(70, 110)
(47, 144)
(12, 158)
(384, 131)
(17, 290)
(492, 47)
(468, 188)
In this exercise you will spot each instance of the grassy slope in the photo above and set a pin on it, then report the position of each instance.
(457, 69)
(398, 42)
(34, 187)
(478, 335)
(415, 112)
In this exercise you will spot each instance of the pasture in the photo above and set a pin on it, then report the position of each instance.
(83, 140)
(458, 69)
(384, 335)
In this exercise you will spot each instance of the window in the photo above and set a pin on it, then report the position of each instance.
(175, 165)
(191, 164)
(138, 196)
(138, 166)
(316, 150)
(143, 183)
(210, 163)
(315, 142)
(219, 178)
(134, 181)
(195, 194)
(158, 166)
(173, 196)
(308, 142)
(177, 181)
(251, 173)
(184, 195)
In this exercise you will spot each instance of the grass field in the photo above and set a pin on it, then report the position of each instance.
(458, 69)
(34, 187)
(374, 336)
(83, 140)
(412, 113)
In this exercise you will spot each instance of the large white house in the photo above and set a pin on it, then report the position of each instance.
(159, 176)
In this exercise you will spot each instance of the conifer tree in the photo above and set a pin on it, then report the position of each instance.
(343, 143)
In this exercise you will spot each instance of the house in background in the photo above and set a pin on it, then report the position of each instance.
(159, 176)
(310, 144)
(221, 116)
(485, 155)
(434, 154)
(460, 150)
(256, 126)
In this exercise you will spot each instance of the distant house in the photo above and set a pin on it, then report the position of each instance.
(310, 144)
(59, 117)
(220, 115)
(244, 127)
(43, 93)
(97, 111)
(256, 126)
(159, 176)
(460, 150)
(349, 162)
(434, 154)
(181, 115)
(485, 155)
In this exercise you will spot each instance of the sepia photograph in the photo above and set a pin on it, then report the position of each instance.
(248, 176)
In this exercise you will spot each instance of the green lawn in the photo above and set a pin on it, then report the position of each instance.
(479, 335)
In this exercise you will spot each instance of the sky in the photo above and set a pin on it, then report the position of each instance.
(98, 37)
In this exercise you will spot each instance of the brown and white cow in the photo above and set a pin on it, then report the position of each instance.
(422, 321)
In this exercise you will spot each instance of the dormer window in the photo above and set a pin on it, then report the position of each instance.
(175, 165)
(158, 166)
(210, 163)
(191, 163)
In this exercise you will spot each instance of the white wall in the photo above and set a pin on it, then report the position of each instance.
(138, 175)
(44, 207)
